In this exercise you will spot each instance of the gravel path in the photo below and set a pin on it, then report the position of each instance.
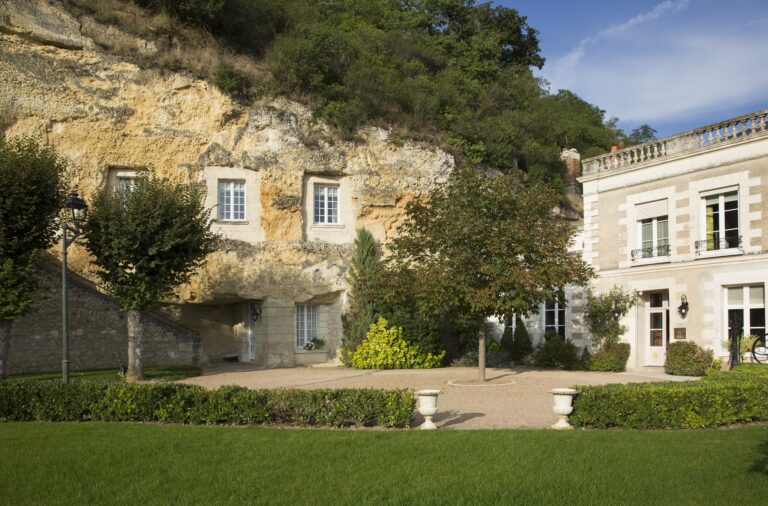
(511, 398)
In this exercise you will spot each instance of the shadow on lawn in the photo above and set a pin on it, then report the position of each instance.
(761, 464)
(447, 418)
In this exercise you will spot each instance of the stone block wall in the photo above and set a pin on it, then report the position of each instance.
(98, 335)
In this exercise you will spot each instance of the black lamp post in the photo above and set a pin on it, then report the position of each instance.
(73, 215)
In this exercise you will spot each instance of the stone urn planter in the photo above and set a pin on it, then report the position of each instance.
(427, 407)
(563, 407)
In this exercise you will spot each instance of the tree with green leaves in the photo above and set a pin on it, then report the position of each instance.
(31, 195)
(146, 241)
(485, 245)
(360, 299)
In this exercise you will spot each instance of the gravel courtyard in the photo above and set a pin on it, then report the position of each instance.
(511, 398)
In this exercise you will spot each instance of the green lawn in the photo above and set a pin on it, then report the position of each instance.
(95, 463)
(168, 373)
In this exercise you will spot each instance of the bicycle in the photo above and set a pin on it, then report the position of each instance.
(760, 350)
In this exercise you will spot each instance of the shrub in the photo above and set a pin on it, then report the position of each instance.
(385, 348)
(586, 356)
(611, 358)
(686, 358)
(188, 404)
(233, 82)
(723, 398)
(599, 316)
(517, 343)
(557, 352)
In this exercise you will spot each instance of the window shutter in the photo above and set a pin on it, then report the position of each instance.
(651, 209)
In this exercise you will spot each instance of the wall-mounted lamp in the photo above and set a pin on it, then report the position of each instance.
(616, 311)
(683, 307)
(255, 310)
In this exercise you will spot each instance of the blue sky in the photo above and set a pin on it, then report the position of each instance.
(674, 64)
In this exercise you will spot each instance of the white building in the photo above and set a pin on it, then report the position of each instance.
(683, 219)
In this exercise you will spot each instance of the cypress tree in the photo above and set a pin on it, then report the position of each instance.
(361, 312)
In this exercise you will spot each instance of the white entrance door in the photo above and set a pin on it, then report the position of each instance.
(657, 333)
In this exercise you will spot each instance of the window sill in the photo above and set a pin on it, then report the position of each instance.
(232, 222)
(720, 253)
(302, 351)
(329, 226)
(651, 261)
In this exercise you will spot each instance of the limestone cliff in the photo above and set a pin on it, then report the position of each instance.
(101, 113)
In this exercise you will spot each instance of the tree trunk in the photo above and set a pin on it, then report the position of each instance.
(5, 345)
(135, 346)
(481, 351)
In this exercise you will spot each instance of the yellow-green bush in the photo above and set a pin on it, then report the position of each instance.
(385, 348)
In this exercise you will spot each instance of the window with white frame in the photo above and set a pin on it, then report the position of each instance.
(554, 317)
(125, 183)
(325, 204)
(652, 230)
(306, 323)
(745, 310)
(231, 200)
(122, 178)
(720, 222)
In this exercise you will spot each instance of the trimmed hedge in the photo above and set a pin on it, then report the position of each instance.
(726, 398)
(612, 358)
(190, 404)
(686, 358)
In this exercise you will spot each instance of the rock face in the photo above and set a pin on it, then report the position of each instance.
(105, 115)
(39, 21)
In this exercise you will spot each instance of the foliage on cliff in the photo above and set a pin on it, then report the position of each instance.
(453, 71)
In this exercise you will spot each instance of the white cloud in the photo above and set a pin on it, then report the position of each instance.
(667, 62)
(568, 63)
(667, 7)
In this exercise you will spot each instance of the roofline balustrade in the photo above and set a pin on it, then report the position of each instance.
(728, 131)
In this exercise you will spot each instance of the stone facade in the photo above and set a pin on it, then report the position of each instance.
(98, 336)
(683, 216)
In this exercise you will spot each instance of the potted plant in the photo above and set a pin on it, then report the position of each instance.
(314, 343)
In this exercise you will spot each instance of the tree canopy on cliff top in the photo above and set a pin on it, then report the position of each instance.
(455, 71)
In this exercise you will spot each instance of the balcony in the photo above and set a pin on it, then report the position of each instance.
(715, 244)
(653, 252)
(728, 131)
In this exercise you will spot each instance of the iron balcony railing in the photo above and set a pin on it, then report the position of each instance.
(652, 252)
(715, 244)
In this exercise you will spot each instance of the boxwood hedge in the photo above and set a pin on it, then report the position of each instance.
(722, 398)
(188, 404)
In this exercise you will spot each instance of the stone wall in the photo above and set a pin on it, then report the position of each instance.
(97, 332)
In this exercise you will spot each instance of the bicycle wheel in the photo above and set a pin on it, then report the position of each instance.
(760, 351)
